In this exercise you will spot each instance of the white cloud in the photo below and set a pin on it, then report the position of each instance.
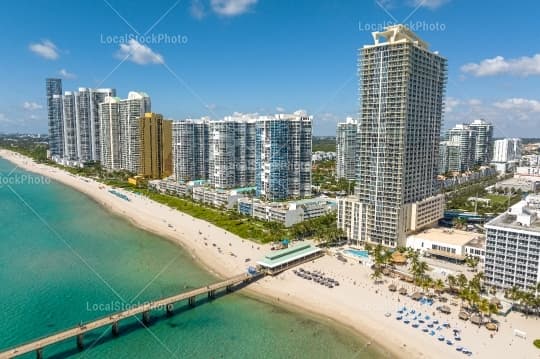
(474, 102)
(66, 74)
(231, 7)
(280, 109)
(519, 104)
(46, 49)
(139, 53)
(197, 9)
(450, 104)
(4, 119)
(523, 66)
(430, 4)
(32, 106)
(513, 117)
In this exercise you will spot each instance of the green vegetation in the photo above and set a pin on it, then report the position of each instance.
(458, 199)
(526, 300)
(322, 229)
(27, 146)
(537, 343)
(325, 144)
(324, 175)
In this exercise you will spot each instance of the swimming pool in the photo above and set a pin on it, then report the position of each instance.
(357, 253)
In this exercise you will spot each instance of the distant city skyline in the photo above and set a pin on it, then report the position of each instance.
(213, 58)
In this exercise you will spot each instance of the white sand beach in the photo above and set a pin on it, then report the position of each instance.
(357, 303)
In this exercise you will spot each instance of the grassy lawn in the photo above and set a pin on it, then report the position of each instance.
(499, 200)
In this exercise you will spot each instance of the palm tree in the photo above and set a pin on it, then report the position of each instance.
(452, 282)
(472, 262)
(438, 285)
(377, 274)
(476, 281)
(514, 293)
(419, 270)
(461, 281)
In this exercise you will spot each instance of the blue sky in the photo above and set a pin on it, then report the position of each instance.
(216, 57)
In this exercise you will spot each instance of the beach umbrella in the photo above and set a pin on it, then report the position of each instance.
(463, 315)
(398, 258)
(403, 291)
(445, 309)
(417, 296)
(392, 287)
(476, 319)
(491, 326)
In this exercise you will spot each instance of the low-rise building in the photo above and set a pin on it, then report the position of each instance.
(522, 184)
(476, 248)
(220, 198)
(173, 187)
(447, 244)
(287, 213)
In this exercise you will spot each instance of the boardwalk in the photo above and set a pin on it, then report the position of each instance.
(114, 319)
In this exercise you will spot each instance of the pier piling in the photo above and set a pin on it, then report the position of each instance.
(115, 329)
(191, 301)
(170, 310)
(39, 353)
(146, 317)
(80, 341)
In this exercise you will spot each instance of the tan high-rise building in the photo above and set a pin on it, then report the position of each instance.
(156, 146)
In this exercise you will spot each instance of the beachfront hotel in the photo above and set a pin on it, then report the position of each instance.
(271, 152)
(109, 117)
(402, 90)
(513, 246)
(156, 146)
(53, 89)
(190, 146)
(74, 124)
(131, 110)
(87, 102)
(231, 155)
(346, 147)
(283, 156)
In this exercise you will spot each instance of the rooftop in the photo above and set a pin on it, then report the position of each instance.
(284, 256)
(447, 236)
(524, 215)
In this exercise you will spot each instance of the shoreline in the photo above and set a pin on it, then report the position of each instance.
(259, 294)
(356, 307)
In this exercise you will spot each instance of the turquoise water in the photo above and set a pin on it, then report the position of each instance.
(63, 260)
(357, 253)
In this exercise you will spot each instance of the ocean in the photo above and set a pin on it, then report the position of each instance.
(65, 260)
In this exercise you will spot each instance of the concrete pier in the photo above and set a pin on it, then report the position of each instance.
(113, 320)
